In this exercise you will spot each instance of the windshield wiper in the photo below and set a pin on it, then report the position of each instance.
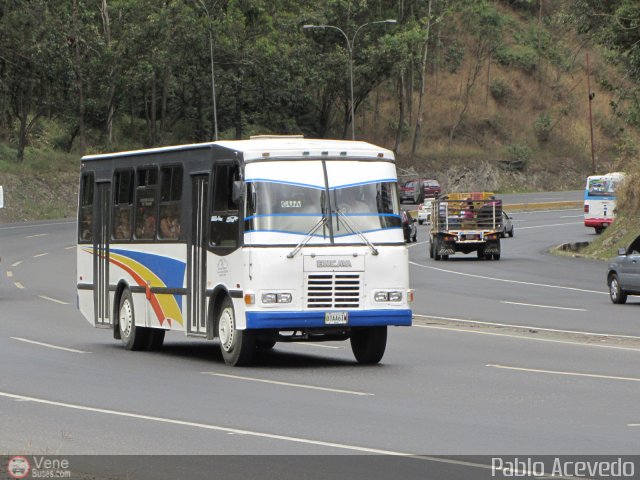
(353, 229)
(307, 237)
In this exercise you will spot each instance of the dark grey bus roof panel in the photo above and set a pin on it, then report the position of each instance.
(260, 149)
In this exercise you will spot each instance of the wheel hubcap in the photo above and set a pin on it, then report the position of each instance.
(614, 289)
(126, 319)
(226, 329)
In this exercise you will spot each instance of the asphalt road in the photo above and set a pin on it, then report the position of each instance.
(440, 391)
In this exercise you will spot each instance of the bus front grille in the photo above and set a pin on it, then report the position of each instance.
(333, 290)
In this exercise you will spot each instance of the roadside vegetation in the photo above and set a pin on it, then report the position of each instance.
(482, 95)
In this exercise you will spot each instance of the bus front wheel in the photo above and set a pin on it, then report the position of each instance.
(237, 346)
(368, 344)
(133, 337)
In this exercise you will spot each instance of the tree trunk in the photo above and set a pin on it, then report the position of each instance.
(77, 61)
(396, 147)
(423, 74)
(111, 91)
(163, 105)
(154, 117)
(237, 120)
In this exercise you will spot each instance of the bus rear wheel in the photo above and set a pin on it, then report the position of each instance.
(133, 337)
(237, 346)
(368, 344)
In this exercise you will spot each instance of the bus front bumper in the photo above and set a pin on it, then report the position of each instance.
(318, 319)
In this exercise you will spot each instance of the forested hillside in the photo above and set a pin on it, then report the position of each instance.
(482, 94)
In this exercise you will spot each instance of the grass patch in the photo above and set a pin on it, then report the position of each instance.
(620, 234)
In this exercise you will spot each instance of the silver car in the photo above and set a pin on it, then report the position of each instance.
(623, 277)
(507, 225)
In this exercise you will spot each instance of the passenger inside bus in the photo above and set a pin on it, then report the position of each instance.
(123, 227)
(349, 200)
(147, 228)
(87, 225)
(169, 224)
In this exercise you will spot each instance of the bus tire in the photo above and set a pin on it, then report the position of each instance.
(133, 337)
(368, 344)
(237, 346)
(156, 339)
(265, 344)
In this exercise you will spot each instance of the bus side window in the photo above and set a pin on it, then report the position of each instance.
(170, 199)
(85, 223)
(224, 216)
(122, 205)
(146, 192)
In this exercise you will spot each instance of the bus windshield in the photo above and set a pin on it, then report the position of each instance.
(296, 209)
(602, 186)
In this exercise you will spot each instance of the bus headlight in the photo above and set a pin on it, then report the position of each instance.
(381, 297)
(268, 298)
(284, 297)
(393, 296)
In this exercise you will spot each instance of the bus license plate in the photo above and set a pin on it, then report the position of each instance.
(336, 318)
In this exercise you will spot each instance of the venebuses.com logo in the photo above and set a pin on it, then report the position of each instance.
(33, 466)
(18, 467)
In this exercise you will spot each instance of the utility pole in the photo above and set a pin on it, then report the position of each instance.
(591, 95)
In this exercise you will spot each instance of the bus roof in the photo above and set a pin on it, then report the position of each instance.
(262, 148)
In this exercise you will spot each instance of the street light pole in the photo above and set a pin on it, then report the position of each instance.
(213, 76)
(350, 47)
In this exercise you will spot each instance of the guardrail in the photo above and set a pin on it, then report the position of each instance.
(531, 206)
(521, 207)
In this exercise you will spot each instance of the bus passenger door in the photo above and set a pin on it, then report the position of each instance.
(102, 220)
(197, 267)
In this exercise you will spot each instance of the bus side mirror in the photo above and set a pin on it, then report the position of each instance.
(236, 191)
(1, 197)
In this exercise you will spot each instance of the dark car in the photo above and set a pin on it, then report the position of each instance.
(415, 191)
(623, 277)
(409, 228)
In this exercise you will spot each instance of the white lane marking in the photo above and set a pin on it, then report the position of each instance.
(559, 372)
(69, 248)
(550, 225)
(16, 263)
(571, 216)
(40, 255)
(286, 384)
(544, 306)
(48, 345)
(529, 212)
(218, 428)
(9, 273)
(38, 225)
(318, 345)
(37, 235)
(416, 244)
(530, 327)
(519, 282)
(522, 337)
(18, 285)
(53, 300)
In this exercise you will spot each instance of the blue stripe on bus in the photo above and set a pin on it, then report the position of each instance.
(319, 214)
(369, 182)
(169, 270)
(319, 187)
(320, 235)
(315, 319)
(280, 182)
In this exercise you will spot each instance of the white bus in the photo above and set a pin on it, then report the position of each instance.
(252, 242)
(600, 200)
